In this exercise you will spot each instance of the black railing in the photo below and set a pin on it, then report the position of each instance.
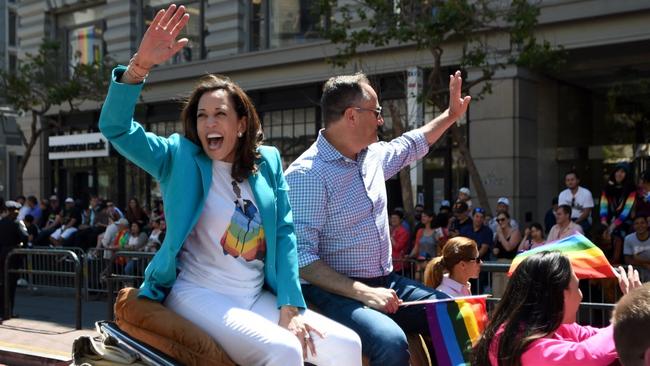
(63, 255)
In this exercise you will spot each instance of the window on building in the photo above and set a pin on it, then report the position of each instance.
(13, 21)
(82, 33)
(279, 23)
(292, 131)
(86, 44)
(13, 62)
(192, 31)
(166, 129)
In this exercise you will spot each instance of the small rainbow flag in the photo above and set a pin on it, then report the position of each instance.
(455, 326)
(587, 260)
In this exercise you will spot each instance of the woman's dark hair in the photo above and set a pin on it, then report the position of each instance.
(137, 213)
(537, 226)
(138, 225)
(246, 149)
(531, 308)
(442, 220)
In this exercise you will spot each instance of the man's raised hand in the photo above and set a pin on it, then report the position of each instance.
(457, 104)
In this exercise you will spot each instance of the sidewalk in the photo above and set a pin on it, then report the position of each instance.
(45, 328)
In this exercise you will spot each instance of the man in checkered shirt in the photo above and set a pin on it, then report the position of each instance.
(338, 198)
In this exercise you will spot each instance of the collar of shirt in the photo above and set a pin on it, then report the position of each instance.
(456, 286)
(328, 152)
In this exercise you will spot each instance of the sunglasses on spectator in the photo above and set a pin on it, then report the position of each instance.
(501, 219)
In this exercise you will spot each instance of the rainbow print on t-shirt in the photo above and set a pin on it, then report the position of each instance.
(245, 234)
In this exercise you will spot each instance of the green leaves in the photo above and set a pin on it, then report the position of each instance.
(434, 25)
(45, 79)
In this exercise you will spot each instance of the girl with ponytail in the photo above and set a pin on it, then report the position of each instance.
(460, 260)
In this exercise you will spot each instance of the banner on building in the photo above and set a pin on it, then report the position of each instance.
(87, 145)
(414, 85)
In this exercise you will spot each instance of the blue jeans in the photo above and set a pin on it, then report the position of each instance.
(383, 337)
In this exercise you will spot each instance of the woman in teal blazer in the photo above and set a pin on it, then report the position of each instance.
(214, 283)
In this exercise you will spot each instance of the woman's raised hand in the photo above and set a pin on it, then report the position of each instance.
(159, 41)
(627, 281)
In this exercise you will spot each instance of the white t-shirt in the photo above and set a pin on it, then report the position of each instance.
(225, 251)
(583, 199)
(634, 246)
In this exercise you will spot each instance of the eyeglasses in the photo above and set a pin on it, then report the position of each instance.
(501, 219)
(377, 111)
(477, 259)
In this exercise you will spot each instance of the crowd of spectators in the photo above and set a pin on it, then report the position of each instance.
(617, 223)
(97, 223)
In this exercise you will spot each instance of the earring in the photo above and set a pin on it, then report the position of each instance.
(240, 134)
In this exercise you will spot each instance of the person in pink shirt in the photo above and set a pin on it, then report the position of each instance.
(535, 321)
(399, 240)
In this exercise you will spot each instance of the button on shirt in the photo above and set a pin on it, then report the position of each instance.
(339, 204)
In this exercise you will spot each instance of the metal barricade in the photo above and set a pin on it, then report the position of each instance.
(127, 269)
(67, 266)
(410, 268)
(95, 266)
(599, 295)
(41, 264)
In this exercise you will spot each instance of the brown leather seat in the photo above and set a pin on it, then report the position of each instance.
(153, 324)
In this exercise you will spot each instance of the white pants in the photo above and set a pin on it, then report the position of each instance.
(63, 233)
(251, 335)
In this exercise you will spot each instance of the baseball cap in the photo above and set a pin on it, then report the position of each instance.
(13, 204)
(465, 190)
(504, 201)
(54, 198)
(445, 203)
(69, 200)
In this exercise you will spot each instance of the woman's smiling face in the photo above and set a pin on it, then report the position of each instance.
(217, 125)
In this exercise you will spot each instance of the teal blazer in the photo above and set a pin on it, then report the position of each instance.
(185, 174)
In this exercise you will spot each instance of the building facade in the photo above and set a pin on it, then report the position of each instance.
(10, 142)
(523, 136)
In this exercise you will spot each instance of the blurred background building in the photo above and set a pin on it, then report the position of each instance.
(523, 136)
(10, 143)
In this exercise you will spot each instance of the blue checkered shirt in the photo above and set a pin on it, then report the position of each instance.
(339, 204)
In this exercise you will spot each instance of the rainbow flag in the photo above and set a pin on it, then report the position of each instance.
(455, 326)
(587, 260)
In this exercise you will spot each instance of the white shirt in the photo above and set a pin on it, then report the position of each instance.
(453, 288)
(634, 246)
(583, 200)
(24, 210)
(225, 251)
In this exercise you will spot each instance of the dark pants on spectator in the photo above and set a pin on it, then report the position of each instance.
(43, 237)
(383, 337)
(13, 263)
